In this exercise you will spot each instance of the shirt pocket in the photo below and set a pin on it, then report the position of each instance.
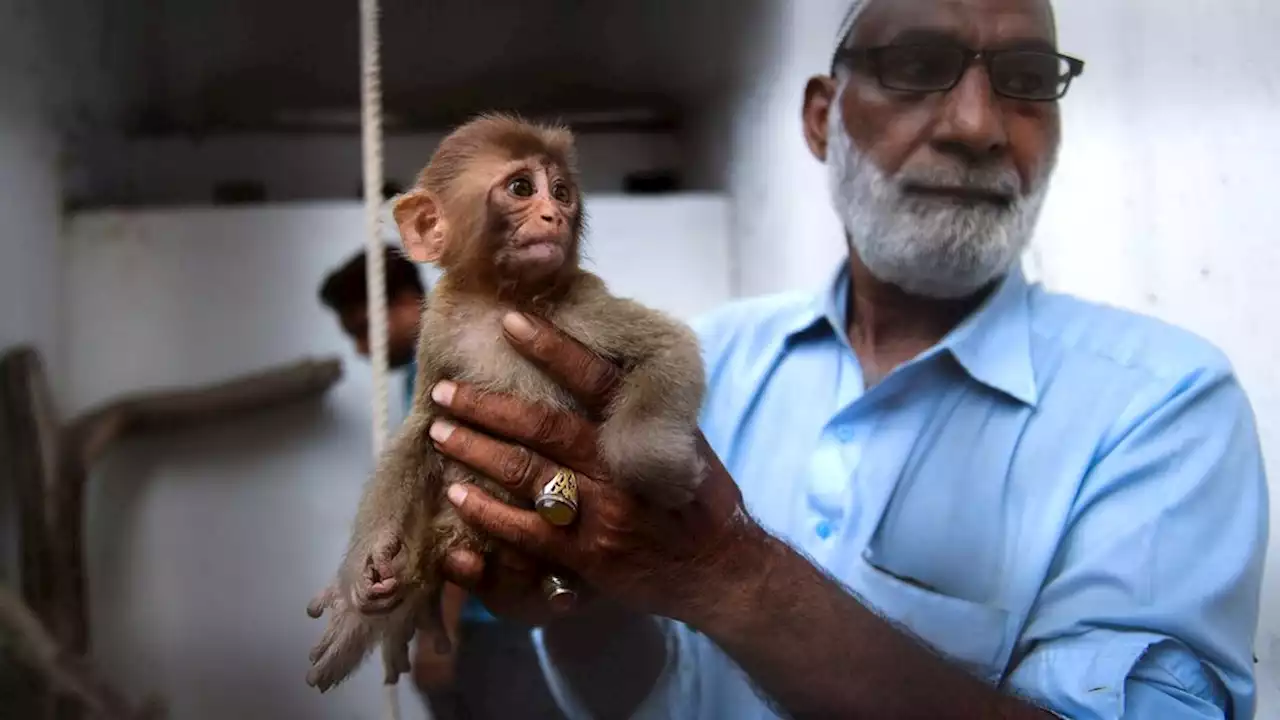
(973, 635)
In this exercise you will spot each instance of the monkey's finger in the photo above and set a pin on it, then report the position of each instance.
(517, 468)
(372, 606)
(330, 632)
(522, 529)
(464, 568)
(321, 602)
(382, 589)
(561, 435)
(590, 378)
(386, 549)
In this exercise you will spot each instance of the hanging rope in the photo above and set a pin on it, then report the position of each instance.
(371, 103)
(375, 266)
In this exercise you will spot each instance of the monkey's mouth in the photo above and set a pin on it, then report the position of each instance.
(540, 251)
(537, 253)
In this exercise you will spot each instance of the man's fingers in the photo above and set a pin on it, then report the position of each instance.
(558, 434)
(517, 468)
(522, 529)
(590, 378)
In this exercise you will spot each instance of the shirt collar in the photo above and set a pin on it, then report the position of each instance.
(992, 345)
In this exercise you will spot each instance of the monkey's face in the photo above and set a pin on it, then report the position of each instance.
(534, 207)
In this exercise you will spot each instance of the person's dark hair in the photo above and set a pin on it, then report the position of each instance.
(346, 288)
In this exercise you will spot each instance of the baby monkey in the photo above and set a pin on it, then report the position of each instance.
(499, 209)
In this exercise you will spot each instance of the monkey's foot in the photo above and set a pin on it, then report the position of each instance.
(346, 640)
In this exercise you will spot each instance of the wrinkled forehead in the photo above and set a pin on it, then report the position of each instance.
(975, 23)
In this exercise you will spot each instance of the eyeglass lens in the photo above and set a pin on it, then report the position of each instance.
(1025, 74)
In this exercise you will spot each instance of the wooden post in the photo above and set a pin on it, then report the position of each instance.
(49, 465)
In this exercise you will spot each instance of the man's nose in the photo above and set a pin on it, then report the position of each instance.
(972, 126)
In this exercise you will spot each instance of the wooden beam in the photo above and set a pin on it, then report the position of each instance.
(31, 644)
(29, 433)
(92, 435)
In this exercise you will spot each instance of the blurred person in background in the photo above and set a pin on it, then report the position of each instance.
(487, 652)
(934, 489)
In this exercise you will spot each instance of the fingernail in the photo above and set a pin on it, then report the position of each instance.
(441, 430)
(518, 326)
(443, 392)
(457, 493)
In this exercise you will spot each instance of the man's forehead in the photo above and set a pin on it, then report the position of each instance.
(979, 23)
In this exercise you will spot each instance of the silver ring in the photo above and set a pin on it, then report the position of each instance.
(557, 503)
(560, 594)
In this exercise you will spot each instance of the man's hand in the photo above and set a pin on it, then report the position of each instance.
(675, 563)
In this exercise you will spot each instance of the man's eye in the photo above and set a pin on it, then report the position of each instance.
(561, 192)
(520, 187)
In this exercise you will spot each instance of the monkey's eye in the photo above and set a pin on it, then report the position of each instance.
(521, 187)
(561, 192)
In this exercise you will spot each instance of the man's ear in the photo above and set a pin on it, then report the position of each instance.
(422, 226)
(819, 95)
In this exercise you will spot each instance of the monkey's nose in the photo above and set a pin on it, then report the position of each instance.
(548, 217)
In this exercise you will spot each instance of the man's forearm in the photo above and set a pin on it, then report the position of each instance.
(815, 651)
(610, 657)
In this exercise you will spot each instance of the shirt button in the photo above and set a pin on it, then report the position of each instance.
(844, 433)
(823, 530)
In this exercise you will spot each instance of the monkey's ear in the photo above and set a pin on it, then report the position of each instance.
(422, 227)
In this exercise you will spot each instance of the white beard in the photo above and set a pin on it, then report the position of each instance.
(925, 246)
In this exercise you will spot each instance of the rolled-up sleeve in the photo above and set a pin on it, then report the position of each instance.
(1151, 604)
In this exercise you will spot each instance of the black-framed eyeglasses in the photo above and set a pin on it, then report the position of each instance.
(1036, 75)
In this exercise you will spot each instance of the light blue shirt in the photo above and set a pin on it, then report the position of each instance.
(1066, 500)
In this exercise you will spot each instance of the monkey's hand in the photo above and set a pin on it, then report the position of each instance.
(648, 437)
(379, 585)
(652, 456)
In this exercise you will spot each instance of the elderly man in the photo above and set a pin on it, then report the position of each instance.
(961, 496)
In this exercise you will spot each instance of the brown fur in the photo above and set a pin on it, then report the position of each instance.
(647, 436)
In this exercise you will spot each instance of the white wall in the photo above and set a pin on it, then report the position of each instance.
(207, 547)
(29, 257)
(1165, 197)
(787, 235)
(184, 171)
(51, 90)
(1164, 201)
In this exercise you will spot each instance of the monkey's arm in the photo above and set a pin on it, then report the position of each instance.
(648, 437)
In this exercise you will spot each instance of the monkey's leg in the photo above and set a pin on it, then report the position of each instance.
(379, 582)
(395, 642)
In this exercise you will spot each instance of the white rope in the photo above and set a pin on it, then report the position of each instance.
(375, 265)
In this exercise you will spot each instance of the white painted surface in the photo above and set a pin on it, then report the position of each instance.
(179, 171)
(51, 90)
(1164, 201)
(206, 547)
(29, 257)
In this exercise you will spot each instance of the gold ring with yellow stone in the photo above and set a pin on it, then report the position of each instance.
(558, 501)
